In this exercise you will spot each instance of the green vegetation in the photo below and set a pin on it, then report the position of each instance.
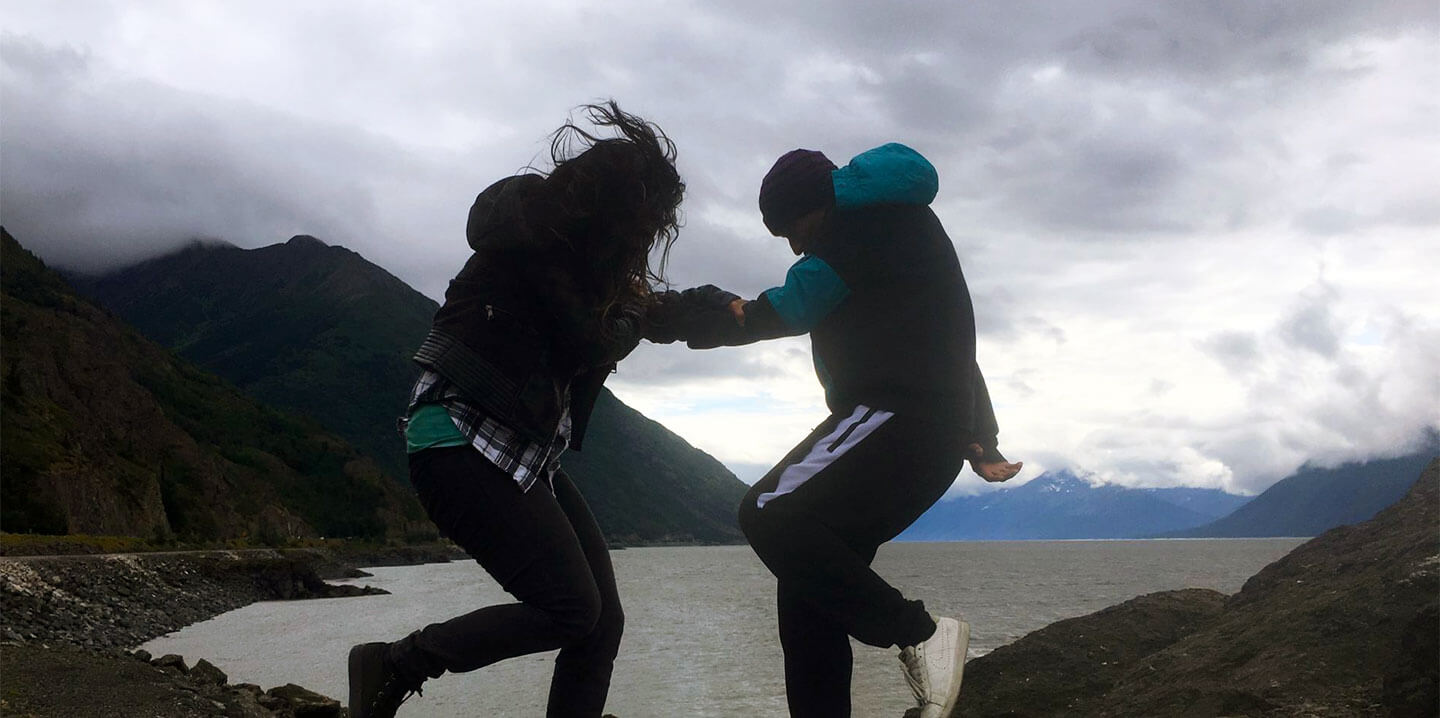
(31, 435)
(314, 330)
(317, 485)
(37, 544)
(105, 433)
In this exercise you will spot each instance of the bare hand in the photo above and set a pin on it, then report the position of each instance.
(994, 471)
(737, 308)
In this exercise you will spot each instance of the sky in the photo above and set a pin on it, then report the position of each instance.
(1201, 238)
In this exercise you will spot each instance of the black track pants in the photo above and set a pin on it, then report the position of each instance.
(548, 552)
(816, 521)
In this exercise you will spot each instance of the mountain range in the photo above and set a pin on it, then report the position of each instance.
(325, 337)
(301, 325)
(104, 432)
(320, 331)
(1314, 500)
(1061, 505)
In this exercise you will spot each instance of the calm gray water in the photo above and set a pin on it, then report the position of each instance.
(700, 629)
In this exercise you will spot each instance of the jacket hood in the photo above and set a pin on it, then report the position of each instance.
(888, 174)
(498, 215)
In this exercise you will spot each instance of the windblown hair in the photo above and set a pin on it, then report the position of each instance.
(616, 200)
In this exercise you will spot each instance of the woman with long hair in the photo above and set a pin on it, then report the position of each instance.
(554, 295)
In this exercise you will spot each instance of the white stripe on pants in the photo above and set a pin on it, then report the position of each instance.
(847, 434)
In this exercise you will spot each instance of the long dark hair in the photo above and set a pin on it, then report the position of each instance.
(615, 200)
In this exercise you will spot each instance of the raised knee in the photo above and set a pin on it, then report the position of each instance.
(747, 512)
(577, 614)
(609, 628)
(754, 521)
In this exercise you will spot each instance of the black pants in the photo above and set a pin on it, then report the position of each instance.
(548, 552)
(856, 482)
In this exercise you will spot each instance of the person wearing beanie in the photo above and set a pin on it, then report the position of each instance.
(797, 185)
(879, 289)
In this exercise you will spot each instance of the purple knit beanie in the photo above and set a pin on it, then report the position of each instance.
(798, 184)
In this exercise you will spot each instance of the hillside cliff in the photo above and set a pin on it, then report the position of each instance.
(1314, 500)
(303, 326)
(106, 433)
(1061, 505)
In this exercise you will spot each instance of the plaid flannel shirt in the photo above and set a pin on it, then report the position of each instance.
(521, 458)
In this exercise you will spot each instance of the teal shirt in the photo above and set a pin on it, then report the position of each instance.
(430, 427)
(811, 291)
(888, 174)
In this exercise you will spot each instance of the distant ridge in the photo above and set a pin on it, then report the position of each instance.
(1061, 505)
(104, 432)
(302, 325)
(319, 330)
(1313, 500)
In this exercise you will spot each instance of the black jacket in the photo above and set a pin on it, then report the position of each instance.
(521, 325)
(900, 335)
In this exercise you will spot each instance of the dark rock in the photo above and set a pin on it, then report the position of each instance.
(245, 704)
(347, 590)
(1065, 666)
(1347, 624)
(305, 703)
(272, 703)
(206, 672)
(1412, 686)
(214, 582)
(170, 660)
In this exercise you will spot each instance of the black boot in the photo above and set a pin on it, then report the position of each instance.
(376, 688)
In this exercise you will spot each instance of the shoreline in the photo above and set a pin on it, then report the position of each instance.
(70, 625)
(120, 601)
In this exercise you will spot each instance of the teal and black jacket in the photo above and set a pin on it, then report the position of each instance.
(882, 296)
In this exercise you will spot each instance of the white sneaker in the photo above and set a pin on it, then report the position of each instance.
(934, 668)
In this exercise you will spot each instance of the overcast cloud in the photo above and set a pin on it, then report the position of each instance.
(1200, 236)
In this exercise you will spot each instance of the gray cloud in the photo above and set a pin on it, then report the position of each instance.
(1238, 352)
(1329, 220)
(1084, 151)
(1312, 324)
(670, 364)
(162, 168)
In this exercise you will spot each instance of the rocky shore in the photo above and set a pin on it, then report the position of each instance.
(124, 600)
(1347, 624)
(67, 624)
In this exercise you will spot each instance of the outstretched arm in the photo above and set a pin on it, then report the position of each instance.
(984, 451)
(714, 318)
(701, 315)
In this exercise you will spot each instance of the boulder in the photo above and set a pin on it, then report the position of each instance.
(1346, 624)
(206, 672)
(1066, 666)
(305, 703)
(171, 661)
